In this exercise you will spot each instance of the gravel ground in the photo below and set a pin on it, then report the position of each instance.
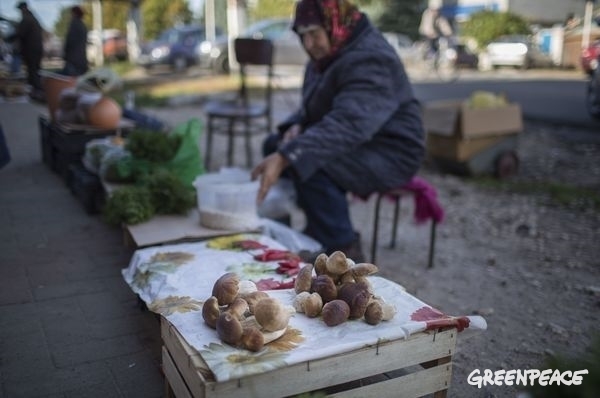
(530, 267)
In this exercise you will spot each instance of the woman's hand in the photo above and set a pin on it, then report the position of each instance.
(269, 170)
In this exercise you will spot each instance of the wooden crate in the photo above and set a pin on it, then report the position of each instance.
(417, 366)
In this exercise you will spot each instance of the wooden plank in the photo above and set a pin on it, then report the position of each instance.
(188, 360)
(313, 375)
(172, 377)
(412, 385)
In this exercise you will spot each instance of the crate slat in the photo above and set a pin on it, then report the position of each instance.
(318, 374)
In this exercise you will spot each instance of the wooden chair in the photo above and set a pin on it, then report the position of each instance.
(426, 208)
(244, 115)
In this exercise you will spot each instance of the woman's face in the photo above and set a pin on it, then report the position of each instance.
(316, 42)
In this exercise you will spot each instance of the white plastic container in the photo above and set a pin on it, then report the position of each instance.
(227, 200)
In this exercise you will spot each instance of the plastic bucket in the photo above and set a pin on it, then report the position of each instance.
(227, 200)
(54, 84)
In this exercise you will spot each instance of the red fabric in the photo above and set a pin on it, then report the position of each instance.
(426, 203)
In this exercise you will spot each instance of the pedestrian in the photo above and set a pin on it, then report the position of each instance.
(434, 26)
(74, 54)
(358, 130)
(29, 34)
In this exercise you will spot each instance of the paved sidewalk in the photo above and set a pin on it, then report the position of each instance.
(69, 324)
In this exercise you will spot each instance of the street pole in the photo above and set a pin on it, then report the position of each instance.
(97, 22)
(587, 24)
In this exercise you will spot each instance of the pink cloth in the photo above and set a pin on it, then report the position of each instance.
(426, 203)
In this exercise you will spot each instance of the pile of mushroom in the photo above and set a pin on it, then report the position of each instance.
(243, 316)
(339, 291)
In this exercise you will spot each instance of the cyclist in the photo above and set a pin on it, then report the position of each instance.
(434, 26)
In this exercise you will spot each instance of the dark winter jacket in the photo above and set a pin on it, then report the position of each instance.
(75, 55)
(361, 122)
(29, 34)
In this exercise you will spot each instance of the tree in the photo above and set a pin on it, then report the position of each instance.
(271, 9)
(401, 16)
(485, 26)
(114, 16)
(158, 15)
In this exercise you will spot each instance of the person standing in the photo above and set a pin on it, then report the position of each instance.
(75, 55)
(29, 34)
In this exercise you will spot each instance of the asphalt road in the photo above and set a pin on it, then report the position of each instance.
(549, 96)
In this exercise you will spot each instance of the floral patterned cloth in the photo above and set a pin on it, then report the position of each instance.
(175, 280)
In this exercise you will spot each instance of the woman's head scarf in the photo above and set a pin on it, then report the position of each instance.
(337, 17)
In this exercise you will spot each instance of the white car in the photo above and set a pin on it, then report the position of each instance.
(519, 51)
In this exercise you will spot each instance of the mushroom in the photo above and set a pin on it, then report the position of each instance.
(252, 339)
(374, 313)
(335, 312)
(226, 288)
(347, 277)
(388, 309)
(357, 296)
(238, 308)
(271, 314)
(303, 279)
(336, 263)
(229, 328)
(325, 286)
(364, 269)
(211, 311)
(299, 301)
(253, 298)
(321, 264)
(246, 287)
(313, 305)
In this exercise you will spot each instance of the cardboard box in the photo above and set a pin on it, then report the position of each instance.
(460, 150)
(452, 118)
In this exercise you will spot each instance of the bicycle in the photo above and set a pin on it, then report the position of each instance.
(443, 61)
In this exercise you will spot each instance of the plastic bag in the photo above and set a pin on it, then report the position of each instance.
(187, 162)
(115, 165)
(293, 240)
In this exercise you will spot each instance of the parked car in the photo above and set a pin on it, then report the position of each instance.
(288, 49)
(593, 92)
(519, 51)
(175, 47)
(589, 57)
(114, 45)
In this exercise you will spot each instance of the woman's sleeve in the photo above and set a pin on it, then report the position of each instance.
(370, 89)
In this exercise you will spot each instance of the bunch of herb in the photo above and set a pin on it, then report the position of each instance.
(153, 146)
(169, 194)
(129, 205)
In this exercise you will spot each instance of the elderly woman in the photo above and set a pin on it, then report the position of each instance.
(358, 130)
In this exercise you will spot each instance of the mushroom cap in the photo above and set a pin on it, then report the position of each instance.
(357, 296)
(229, 328)
(271, 314)
(303, 279)
(226, 288)
(325, 286)
(321, 264)
(238, 307)
(253, 298)
(211, 311)
(336, 263)
(335, 312)
(313, 305)
(364, 269)
(299, 301)
(252, 339)
(374, 313)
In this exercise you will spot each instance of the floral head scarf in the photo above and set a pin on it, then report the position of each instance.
(338, 17)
